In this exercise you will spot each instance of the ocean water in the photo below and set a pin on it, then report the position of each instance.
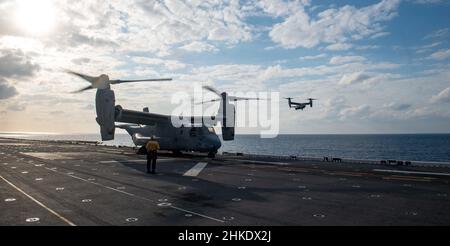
(413, 147)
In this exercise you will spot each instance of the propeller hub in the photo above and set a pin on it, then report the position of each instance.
(102, 82)
(224, 95)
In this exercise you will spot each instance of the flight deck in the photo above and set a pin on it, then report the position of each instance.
(81, 184)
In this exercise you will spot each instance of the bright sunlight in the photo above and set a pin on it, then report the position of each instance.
(36, 17)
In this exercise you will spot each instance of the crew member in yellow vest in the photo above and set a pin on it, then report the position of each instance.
(152, 147)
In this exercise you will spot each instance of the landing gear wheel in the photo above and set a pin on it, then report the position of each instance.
(212, 154)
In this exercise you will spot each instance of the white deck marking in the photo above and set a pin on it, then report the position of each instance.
(260, 162)
(14, 144)
(134, 195)
(65, 155)
(410, 172)
(194, 171)
(137, 160)
(39, 203)
(48, 155)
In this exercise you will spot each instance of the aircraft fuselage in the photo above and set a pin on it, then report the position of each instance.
(201, 139)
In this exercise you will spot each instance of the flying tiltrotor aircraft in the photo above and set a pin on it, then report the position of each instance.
(297, 105)
(141, 125)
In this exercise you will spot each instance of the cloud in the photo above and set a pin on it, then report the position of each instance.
(226, 72)
(169, 64)
(384, 65)
(175, 22)
(353, 78)
(57, 112)
(339, 46)
(440, 55)
(248, 73)
(334, 25)
(359, 112)
(199, 47)
(399, 107)
(367, 47)
(333, 106)
(6, 90)
(346, 59)
(379, 35)
(80, 61)
(17, 107)
(88, 107)
(277, 8)
(443, 96)
(316, 57)
(15, 64)
(8, 25)
(438, 34)
(74, 39)
(149, 26)
(427, 1)
(426, 48)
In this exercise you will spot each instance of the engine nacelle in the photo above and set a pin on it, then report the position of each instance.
(104, 105)
(227, 133)
(139, 139)
(228, 122)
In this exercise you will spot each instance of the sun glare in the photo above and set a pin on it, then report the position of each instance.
(36, 17)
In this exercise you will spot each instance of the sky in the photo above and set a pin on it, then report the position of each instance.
(376, 66)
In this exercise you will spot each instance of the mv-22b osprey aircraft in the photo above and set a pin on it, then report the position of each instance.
(297, 105)
(141, 125)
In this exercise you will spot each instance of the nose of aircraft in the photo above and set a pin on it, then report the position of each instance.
(214, 141)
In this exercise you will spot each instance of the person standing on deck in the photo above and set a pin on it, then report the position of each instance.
(152, 147)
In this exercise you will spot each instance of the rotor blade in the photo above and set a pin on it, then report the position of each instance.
(138, 80)
(84, 89)
(88, 78)
(245, 98)
(209, 88)
(210, 101)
